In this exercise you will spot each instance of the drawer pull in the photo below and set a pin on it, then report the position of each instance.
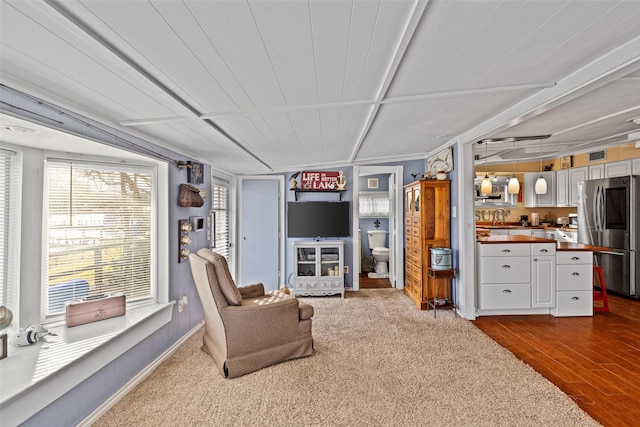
(575, 273)
(575, 298)
(544, 251)
(506, 291)
(506, 251)
(506, 266)
(575, 258)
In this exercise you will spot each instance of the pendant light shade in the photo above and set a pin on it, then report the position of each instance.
(541, 183)
(486, 185)
(541, 186)
(514, 185)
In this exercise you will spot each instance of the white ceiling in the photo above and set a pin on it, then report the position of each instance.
(261, 86)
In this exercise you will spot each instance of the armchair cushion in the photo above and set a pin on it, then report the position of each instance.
(225, 281)
(252, 291)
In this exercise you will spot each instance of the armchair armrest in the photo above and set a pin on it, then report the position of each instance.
(251, 291)
(260, 323)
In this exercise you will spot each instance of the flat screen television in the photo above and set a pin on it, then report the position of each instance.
(318, 219)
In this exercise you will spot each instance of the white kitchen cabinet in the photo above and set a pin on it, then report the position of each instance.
(620, 168)
(575, 176)
(543, 275)
(596, 171)
(567, 185)
(635, 166)
(504, 276)
(574, 279)
(562, 187)
(318, 268)
(520, 232)
(545, 234)
(531, 199)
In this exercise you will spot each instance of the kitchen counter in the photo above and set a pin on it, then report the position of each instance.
(560, 246)
(517, 226)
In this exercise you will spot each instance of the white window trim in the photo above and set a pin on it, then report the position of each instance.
(92, 346)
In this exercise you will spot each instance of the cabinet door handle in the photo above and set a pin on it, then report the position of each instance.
(575, 298)
(575, 273)
(535, 259)
(506, 266)
(544, 251)
(506, 291)
(506, 251)
(575, 258)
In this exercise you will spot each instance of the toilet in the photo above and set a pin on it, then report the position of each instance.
(377, 239)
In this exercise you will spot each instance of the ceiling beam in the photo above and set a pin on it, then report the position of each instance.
(194, 112)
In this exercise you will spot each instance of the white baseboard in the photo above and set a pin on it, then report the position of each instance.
(116, 397)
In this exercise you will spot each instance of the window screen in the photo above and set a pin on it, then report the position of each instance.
(99, 222)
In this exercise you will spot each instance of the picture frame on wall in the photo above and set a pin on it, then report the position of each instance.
(565, 162)
(196, 173)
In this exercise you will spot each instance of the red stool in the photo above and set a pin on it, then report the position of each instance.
(600, 295)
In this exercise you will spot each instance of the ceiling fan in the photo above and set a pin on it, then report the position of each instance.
(513, 139)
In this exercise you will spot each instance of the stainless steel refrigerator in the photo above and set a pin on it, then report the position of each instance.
(609, 216)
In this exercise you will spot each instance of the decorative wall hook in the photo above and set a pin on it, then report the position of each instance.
(182, 164)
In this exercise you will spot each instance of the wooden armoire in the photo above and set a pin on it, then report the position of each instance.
(427, 225)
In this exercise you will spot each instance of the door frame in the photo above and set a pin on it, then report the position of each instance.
(396, 222)
(281, 201)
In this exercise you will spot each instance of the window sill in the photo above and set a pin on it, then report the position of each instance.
(33, 377)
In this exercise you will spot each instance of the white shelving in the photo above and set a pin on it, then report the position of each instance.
(319, 268)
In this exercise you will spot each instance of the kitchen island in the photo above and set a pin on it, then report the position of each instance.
(519, 275)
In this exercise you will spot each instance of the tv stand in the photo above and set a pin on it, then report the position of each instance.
(318, 268)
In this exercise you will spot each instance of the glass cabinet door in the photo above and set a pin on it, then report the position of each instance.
(306, 261)
(330, 262)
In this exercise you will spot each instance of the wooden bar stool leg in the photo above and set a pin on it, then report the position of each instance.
(600, 295)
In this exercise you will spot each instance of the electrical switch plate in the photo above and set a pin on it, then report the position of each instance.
(346, 269)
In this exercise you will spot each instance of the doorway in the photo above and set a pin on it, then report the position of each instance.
(392, 222)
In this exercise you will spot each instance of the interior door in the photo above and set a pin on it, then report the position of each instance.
(260, 232)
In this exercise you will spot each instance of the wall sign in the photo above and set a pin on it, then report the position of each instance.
(322, 181)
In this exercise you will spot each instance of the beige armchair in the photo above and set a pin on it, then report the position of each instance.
(247, 329)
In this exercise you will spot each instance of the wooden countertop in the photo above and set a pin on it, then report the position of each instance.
(513, 239)
(567, 246)
(560, 246)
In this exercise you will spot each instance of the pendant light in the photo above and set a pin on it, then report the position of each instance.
(514, 184)
(486, 186)
(541, 183)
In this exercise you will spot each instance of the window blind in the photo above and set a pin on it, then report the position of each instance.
(5, 187)
(220, 220)
(99, 231)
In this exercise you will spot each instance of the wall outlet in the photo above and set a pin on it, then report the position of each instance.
(182, 303)
(346, 269)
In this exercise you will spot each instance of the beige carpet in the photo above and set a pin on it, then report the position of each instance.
(378, 362)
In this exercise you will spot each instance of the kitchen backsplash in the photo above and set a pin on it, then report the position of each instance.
(513, 214)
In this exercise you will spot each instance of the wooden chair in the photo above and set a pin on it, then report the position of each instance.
(600, 295)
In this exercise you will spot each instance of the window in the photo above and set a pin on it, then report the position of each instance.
(220, 220)
(98, 221)
(10, 194)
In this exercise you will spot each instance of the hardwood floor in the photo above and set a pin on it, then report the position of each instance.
(367, 283)
(595, 360)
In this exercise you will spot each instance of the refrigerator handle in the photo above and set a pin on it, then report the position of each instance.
(596, 209)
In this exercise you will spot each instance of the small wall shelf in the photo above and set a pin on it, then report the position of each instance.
(299, 190)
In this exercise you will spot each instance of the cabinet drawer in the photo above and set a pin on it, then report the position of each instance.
(543, 249)
(499, 297)
(415, 220)
(573, 257)
(574, 277)
(415, 231)
(407, 220)
(507, 250)
(415, 241)
(574, 303)
(505, 269)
